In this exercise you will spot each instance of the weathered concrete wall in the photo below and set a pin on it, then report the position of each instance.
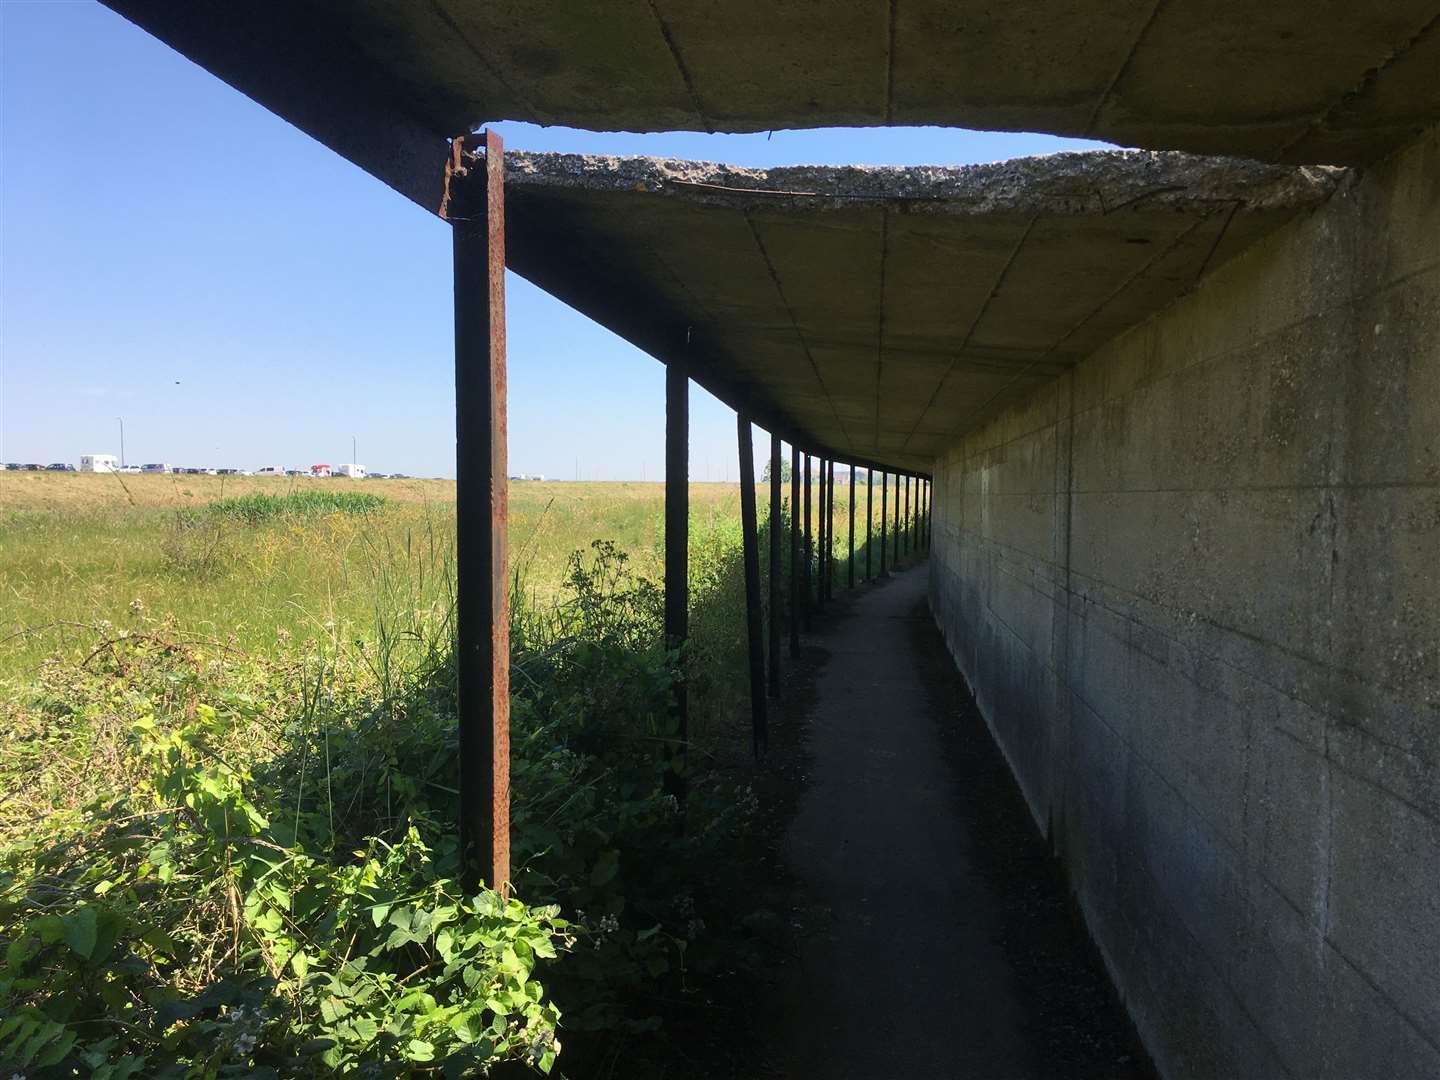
(1195, 585)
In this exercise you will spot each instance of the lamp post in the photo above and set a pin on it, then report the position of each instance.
(122, 440)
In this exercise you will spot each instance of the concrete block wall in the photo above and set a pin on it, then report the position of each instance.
(1195, 587)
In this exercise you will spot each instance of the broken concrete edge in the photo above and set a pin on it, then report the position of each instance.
(1086, 183)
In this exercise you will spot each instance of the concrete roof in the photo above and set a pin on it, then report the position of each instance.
(879, 312)
(382, 81)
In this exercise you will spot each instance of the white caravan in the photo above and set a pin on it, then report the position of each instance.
(99, 463)
(356, 472)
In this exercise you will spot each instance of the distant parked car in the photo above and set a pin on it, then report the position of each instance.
(296, 472)
(378, 476)
(270, 470)
(12, 466)
(156, 468)
(59, 466)
(399, 476)
(128, 469)
(34, 468)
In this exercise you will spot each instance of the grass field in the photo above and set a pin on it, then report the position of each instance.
(81, 554)
(229, 785)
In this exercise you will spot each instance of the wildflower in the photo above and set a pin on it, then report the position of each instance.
(540, 1045)
(608, 924)
(137, 606)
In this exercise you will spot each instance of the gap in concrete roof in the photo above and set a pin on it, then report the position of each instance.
(806, 146)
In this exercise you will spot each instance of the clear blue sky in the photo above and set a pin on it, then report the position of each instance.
(172, 253)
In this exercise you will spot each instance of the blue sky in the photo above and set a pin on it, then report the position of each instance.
(173, 254)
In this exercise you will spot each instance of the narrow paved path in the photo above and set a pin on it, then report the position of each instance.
(950, 948)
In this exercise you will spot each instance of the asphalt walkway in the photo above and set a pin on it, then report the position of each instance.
(946, 944)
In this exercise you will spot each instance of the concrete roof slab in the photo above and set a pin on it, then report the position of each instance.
(385, 82)
(874, 313)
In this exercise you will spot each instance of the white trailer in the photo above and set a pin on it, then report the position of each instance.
(356, 472)
(270, 470)
(99, 463)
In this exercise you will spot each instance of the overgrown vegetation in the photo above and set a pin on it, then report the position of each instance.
(314, 502)
(220, 863)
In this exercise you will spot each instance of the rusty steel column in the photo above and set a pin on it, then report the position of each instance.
(809, 547)
(777, 527)
(884, 515)
(869, 516)
(482, 597)
(907, 520)
(925, 523)
(850, 561)
(677, 558)
(820, 537)
(794, 551)
(830, 532)
(754, 632)
(895, 557)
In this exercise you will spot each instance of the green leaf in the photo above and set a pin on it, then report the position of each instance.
(420, 1050)
(80, 931)
(606, 867)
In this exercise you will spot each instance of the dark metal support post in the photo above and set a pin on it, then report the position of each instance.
(896, 555)
(754, 632)
(830, 533)
(777, 527)
(821, 540)
(850, 561)
(884, 518)
(677, 554)
(795, 575)
(869, 516)
(808, 546)
(907, 520)
(482, 580)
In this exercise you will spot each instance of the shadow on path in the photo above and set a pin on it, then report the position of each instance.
(947, 944)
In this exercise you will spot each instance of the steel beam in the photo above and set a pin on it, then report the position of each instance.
(907, 522)
(754, 632)
(482, 580)
(677, 557)
(777, 527)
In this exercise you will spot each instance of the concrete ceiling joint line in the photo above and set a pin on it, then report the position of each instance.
(890, 67)
(1137, 275)
(681, 67)
(975, 322)
(1122, 69)
(455, 28)
(799, 334)
(1366, 82)
(880, 320)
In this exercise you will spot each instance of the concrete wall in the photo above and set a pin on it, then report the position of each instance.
(1195, 586)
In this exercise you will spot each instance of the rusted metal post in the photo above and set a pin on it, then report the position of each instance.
(925, 523)
(896, 555)
(884, 517)
(808, 546)
(482, 580)
(820, 538)
(777, 526)
(850, 561)
(677, 557)
(830, 533)
(869, 516)
(754, 633)
(907, 521)
(795, 577)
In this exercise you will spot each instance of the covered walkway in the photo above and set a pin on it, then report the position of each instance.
(946, 944)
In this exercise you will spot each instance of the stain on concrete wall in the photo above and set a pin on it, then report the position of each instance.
(1195, 586)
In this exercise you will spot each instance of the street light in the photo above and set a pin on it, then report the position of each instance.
(122, 440)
